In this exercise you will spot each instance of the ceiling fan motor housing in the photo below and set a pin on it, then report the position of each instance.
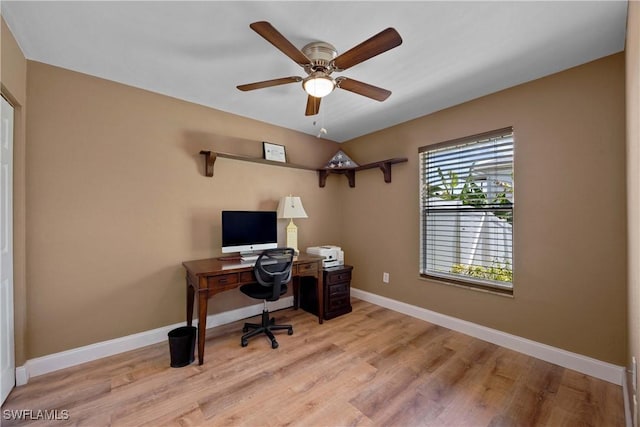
(321, 55)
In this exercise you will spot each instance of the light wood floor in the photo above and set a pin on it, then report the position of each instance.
(373, 367)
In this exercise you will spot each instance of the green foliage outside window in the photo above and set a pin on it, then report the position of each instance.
(472, 194)
(497, 272)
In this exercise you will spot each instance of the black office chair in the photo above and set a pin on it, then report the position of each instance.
(273, 272)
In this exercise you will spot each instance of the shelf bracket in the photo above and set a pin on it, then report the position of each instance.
(322, 177)
(351, 176)
(349, 173)
(209, 161)
(385, 167)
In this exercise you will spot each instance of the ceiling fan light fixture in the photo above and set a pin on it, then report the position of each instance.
(318, 84)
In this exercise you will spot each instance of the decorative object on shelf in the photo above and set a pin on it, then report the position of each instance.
(291, 207)
(274, 152)
(340, 160)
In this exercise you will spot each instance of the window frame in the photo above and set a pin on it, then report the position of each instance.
(453, 278)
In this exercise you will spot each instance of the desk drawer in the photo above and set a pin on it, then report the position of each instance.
(222, 280)
(338, 303)
(343, 276)
(340, 288)
(307, 269)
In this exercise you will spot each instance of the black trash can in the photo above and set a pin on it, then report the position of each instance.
(182, 344)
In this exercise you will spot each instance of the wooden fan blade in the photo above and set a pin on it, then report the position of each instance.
(269, 83)
(313, 106)
(363, 89)
(270, 34)
(381, 42)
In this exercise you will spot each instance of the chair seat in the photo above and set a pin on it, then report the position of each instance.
(257, 291)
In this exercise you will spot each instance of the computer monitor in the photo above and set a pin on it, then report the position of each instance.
(249, 231)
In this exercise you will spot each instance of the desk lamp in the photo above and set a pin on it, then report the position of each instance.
(291, 207)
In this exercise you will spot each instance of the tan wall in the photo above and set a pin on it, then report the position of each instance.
(633, 175)
(117, 199)
(569, 220)
(13, 85)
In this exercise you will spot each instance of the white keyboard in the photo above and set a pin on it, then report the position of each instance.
(239, 265)
(246, 264)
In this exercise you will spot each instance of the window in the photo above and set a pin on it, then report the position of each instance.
(466, 206)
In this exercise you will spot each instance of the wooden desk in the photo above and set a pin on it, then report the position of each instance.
(207, 277)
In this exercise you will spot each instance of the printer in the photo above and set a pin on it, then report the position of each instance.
(333, 255)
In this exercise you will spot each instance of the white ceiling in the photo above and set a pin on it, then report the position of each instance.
(200, 51)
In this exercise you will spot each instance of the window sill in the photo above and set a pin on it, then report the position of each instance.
(470, 286)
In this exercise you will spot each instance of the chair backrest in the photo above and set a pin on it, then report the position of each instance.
(273, 268)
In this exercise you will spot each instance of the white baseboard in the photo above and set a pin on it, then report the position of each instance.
(577, 362)
(53, 362)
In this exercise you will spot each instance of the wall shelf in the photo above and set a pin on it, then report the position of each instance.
(210, 159)
(384, 165)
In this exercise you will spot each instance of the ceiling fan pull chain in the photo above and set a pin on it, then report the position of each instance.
(323, 130)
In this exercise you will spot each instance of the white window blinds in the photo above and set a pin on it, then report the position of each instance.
(467, 210)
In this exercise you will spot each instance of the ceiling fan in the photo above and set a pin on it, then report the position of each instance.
(320, 60)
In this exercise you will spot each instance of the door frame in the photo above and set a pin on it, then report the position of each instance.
(7, 321)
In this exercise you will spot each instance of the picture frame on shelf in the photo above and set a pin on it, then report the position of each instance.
(274, 152)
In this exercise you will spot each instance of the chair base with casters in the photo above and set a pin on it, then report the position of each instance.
(266, 327)
(272, 271)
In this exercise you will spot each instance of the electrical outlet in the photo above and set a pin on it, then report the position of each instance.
(385, 277)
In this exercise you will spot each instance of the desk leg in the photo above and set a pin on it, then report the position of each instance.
(320, 289)
(203, 298)
(295, 282)
(190, 298)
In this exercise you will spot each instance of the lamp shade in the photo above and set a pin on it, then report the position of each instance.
(291, 207)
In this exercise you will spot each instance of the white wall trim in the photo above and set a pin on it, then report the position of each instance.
(22, 376)
(586, 365)
(53, 362)
(627, 405)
